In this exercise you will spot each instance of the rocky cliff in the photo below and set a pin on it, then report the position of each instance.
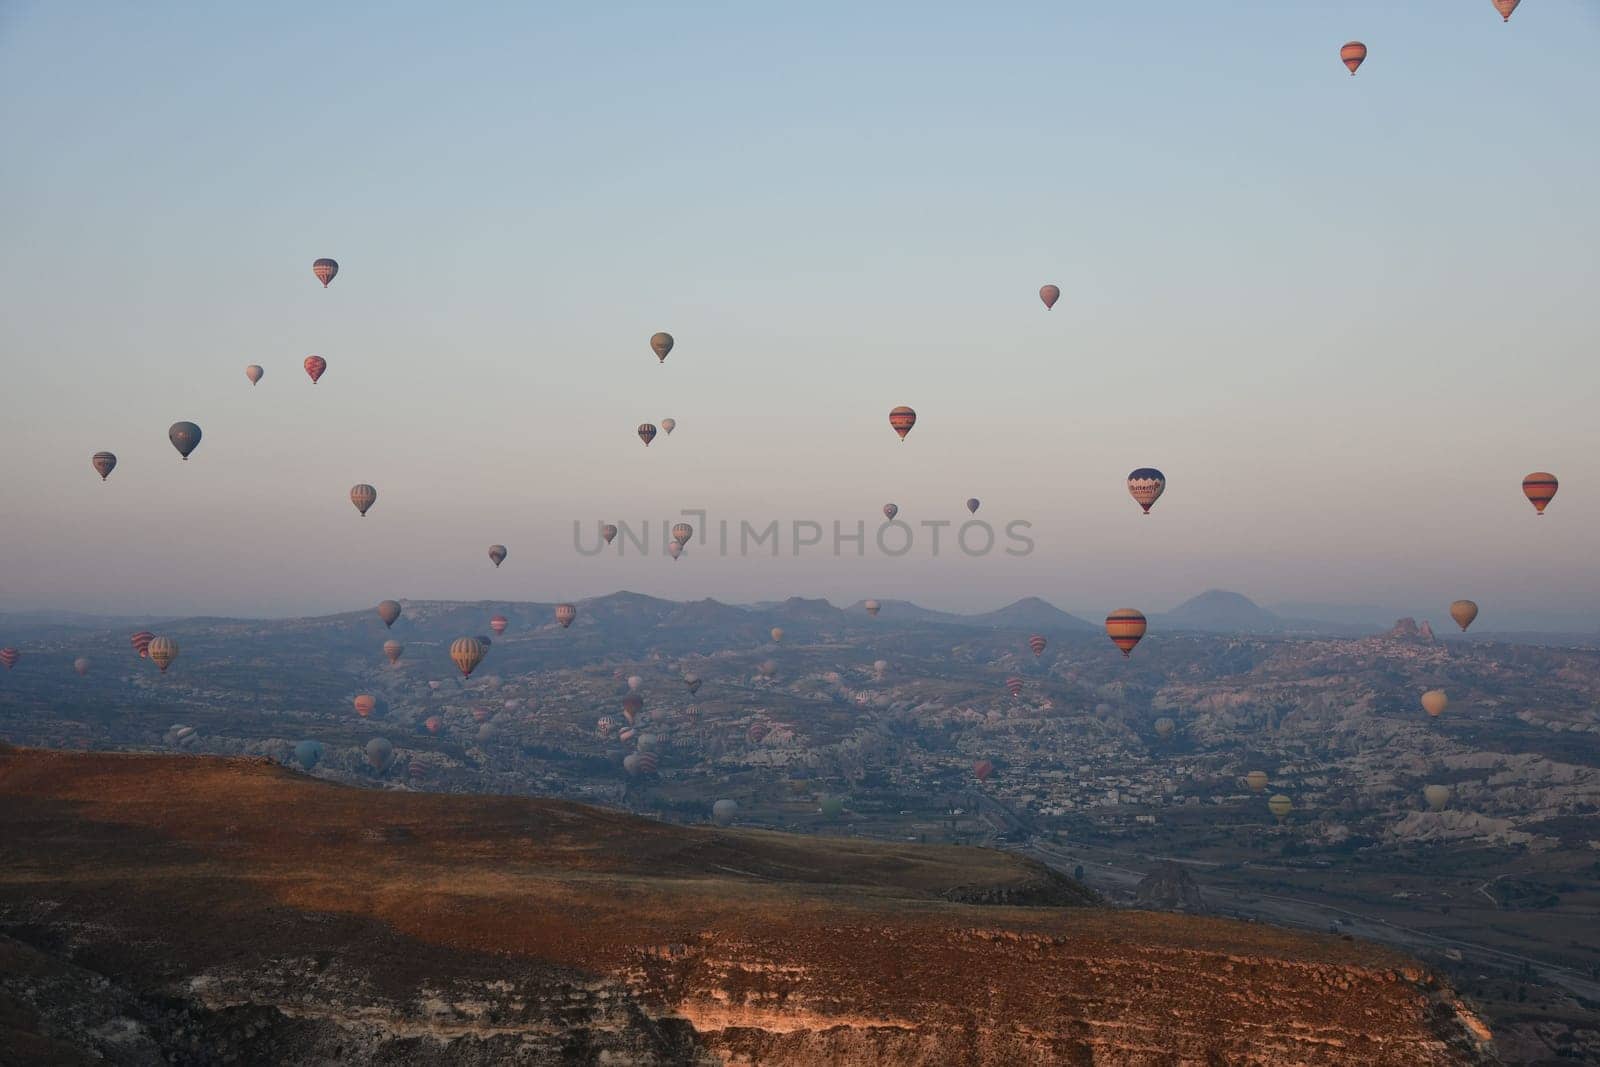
(162, 909)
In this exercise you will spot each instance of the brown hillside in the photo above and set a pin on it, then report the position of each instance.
(162, 907)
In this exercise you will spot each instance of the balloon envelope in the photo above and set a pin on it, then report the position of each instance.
(363, 496)
(1506, 7)
(565, 613)
(1353, 54)
(498, 624)
(1540, 488)
(185, 437)
(661, 344)
(1126, 628)
(466, 653)
(163, 650)
(315, 366)
(389, 611)
(1256, 780)
(324, 269)
(647, 433)
(1436, 796)
(1146, 485)
(104, 463)
(1049, 294)
(901, 419)
(497, 554)
(723, 811)
(307, 754)
(668, 425)
(890, 511)
(1463, 611)
(777, 634)
(873, 607)
(1434, 702)
(1280, 805)
(379, 753)
(609, 532)
(254, 373)
(393, 649)
(972, 505)
(81, 665)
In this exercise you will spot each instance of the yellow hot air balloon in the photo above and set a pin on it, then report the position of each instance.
(1280, 806)
(1437, 796)
(1463, 611)
(162, 651)
(1434, 702)
(1256, 780)
(466, 653)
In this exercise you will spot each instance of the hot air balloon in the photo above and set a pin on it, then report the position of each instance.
(647, 433)
(681, 533)
(389, 611)
(1014, 685)
(1434, 702)
(254, 373)
(486, 641)
(308, 754)
(692, 681)
(466, 653)
(141, 643)
(1049, 294)
(777, 634)
(1038, 644)
(1352, 54)
(163, 650)
(81, 665)
(104, 463)
(890, 511)
(393, 649)
(1436, 796)
(626, 734)
(379, 754)
(675, 550)
(880, 667)
(1463, 611)
(668, 425)
(832, 808)
(481, 715)
(324, 269)
(497, 554)
(363, 496)
(1506, 7)
(902, 419)
(648, 762)
(1256, 780)
(630, 763)
(565, 613)
(315, 366)
(634, 682)
(9, 657)
(873, 607)
(983, 770)
(1146, 485)
(661, 344)
(1539, 487)
(609, 532)
(758, 732)
(185, 437)
(972, 505)
(1125, 627)
(365, 703)
(723, 811)
(417, 769)
(632, 706)
(498, 625)
(605, 725)
(432, 724)
(1164, 727)
(1280, 806)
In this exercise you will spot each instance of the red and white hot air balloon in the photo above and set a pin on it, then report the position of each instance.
(324, 269)
(315, 366)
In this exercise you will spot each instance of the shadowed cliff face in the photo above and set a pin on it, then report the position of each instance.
(165, 908)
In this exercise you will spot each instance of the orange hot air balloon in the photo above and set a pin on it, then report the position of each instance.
(565, 613)
(315, 367)
(324, 269)
(432, 723)
(983, 770)
(1353, 54)
(902, 419)
(389, 611)
(647, 433)
(104, 463)
(1539, 487)
(1038, 644)
(1015, 686)
(1506, 7)
(777, 634)
(163, 650)
(393, 649)
(1125, 627)
(466, 653)
(364, 704)
(1049, 294)
(141, 643)
(675, 549)
(661, 344)
(609, 532)
(498, 625)
(1463, 611)
(873, 607)
(1434, 702)
(363, 496)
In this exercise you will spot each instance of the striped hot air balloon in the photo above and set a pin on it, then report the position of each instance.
(1256, 780)
(1539, 487)
(1463, 612)
(902, 419)
(681, 533)
(365, 703)
(1038, 644)
(324, 269)
(661, 344)
(647, 433)
(1126, 628)
(9, 657)
(141, 643)
(498, 625)
(605, 726)
(466, 653)
(1506, 7)
(1353, 54)
(1049, 294)
(1164, 727)
(1280, 806)
(609, 532)
(163, 650)
(497, 554)
(104, 463)
(1146, 485)
(389, 611)
(565, 613)
(1014, 685)
(758, 732)
(315, 366)
(363, 496)
(254, 373)
(983, 770)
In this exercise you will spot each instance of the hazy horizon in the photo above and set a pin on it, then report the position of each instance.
(1344, 315)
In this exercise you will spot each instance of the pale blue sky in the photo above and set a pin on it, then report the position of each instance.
(1345, 315)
